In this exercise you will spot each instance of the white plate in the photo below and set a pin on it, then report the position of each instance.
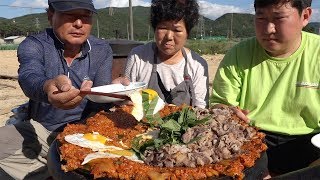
(116, 89)
(315, 140)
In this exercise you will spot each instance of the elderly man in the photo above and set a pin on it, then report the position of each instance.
(54, 66)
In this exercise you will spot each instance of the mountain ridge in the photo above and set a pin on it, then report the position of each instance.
(235, 25)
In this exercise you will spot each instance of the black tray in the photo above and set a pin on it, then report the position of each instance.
(54, 166)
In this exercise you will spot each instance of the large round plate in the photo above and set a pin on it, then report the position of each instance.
(116, 89)
(54, 166)
(315, 140)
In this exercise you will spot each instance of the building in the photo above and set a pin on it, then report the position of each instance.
(14, 39)
(1, 41)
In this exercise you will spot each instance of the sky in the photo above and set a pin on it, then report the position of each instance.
(209, 8)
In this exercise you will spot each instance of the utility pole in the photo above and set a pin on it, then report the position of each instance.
(203, 34)
(98, 30)
(201, 27)
(231, 22)
(131, 20)
(128, 34)
(149, 33)
(37, 24)
(111, 11)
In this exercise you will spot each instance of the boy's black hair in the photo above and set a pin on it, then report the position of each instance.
(166, 10)
(299, 4)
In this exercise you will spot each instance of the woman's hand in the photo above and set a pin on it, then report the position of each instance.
(62, 94)
(121, 80)
(124, 81)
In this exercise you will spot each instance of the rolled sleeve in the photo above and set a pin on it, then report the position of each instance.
(227, 83)
(31, 70)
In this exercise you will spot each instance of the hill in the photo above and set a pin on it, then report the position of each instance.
(2, 20)
(115, 26)
(234, 25)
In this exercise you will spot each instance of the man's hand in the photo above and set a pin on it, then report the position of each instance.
(62, 94)
(241, 113)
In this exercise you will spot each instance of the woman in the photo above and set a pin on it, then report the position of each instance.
(179, 75)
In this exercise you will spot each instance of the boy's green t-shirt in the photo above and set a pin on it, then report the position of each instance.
(282, 94)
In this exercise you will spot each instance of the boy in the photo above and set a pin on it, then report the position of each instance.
(275, 77)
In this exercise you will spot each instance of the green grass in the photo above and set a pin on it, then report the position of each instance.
(9, 46)
(199, 46)
(211, 46)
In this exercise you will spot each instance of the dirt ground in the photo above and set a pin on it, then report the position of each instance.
(11, 95)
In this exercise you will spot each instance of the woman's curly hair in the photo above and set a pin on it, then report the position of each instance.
(166, 10)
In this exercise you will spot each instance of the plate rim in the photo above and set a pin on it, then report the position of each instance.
(142, 86)
(112, 99)
(313, 140)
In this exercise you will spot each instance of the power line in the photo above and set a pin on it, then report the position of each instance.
(14, 6)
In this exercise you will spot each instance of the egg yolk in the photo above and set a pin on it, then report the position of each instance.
(121, 152)
(138, 101)
(95, 137)
(152, 93)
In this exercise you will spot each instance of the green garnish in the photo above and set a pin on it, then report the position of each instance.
(148, 108)
(172, 127)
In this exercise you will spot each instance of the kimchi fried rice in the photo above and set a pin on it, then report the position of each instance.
(121, 127)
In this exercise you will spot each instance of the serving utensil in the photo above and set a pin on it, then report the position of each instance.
(113, 95)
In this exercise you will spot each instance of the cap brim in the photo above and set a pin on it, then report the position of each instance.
(68, 6)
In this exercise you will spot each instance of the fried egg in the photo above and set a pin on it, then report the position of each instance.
(137, 100)
(94, 141)
(98, 143)
(112, 154)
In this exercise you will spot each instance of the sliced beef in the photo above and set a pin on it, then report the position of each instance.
(220, 138)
